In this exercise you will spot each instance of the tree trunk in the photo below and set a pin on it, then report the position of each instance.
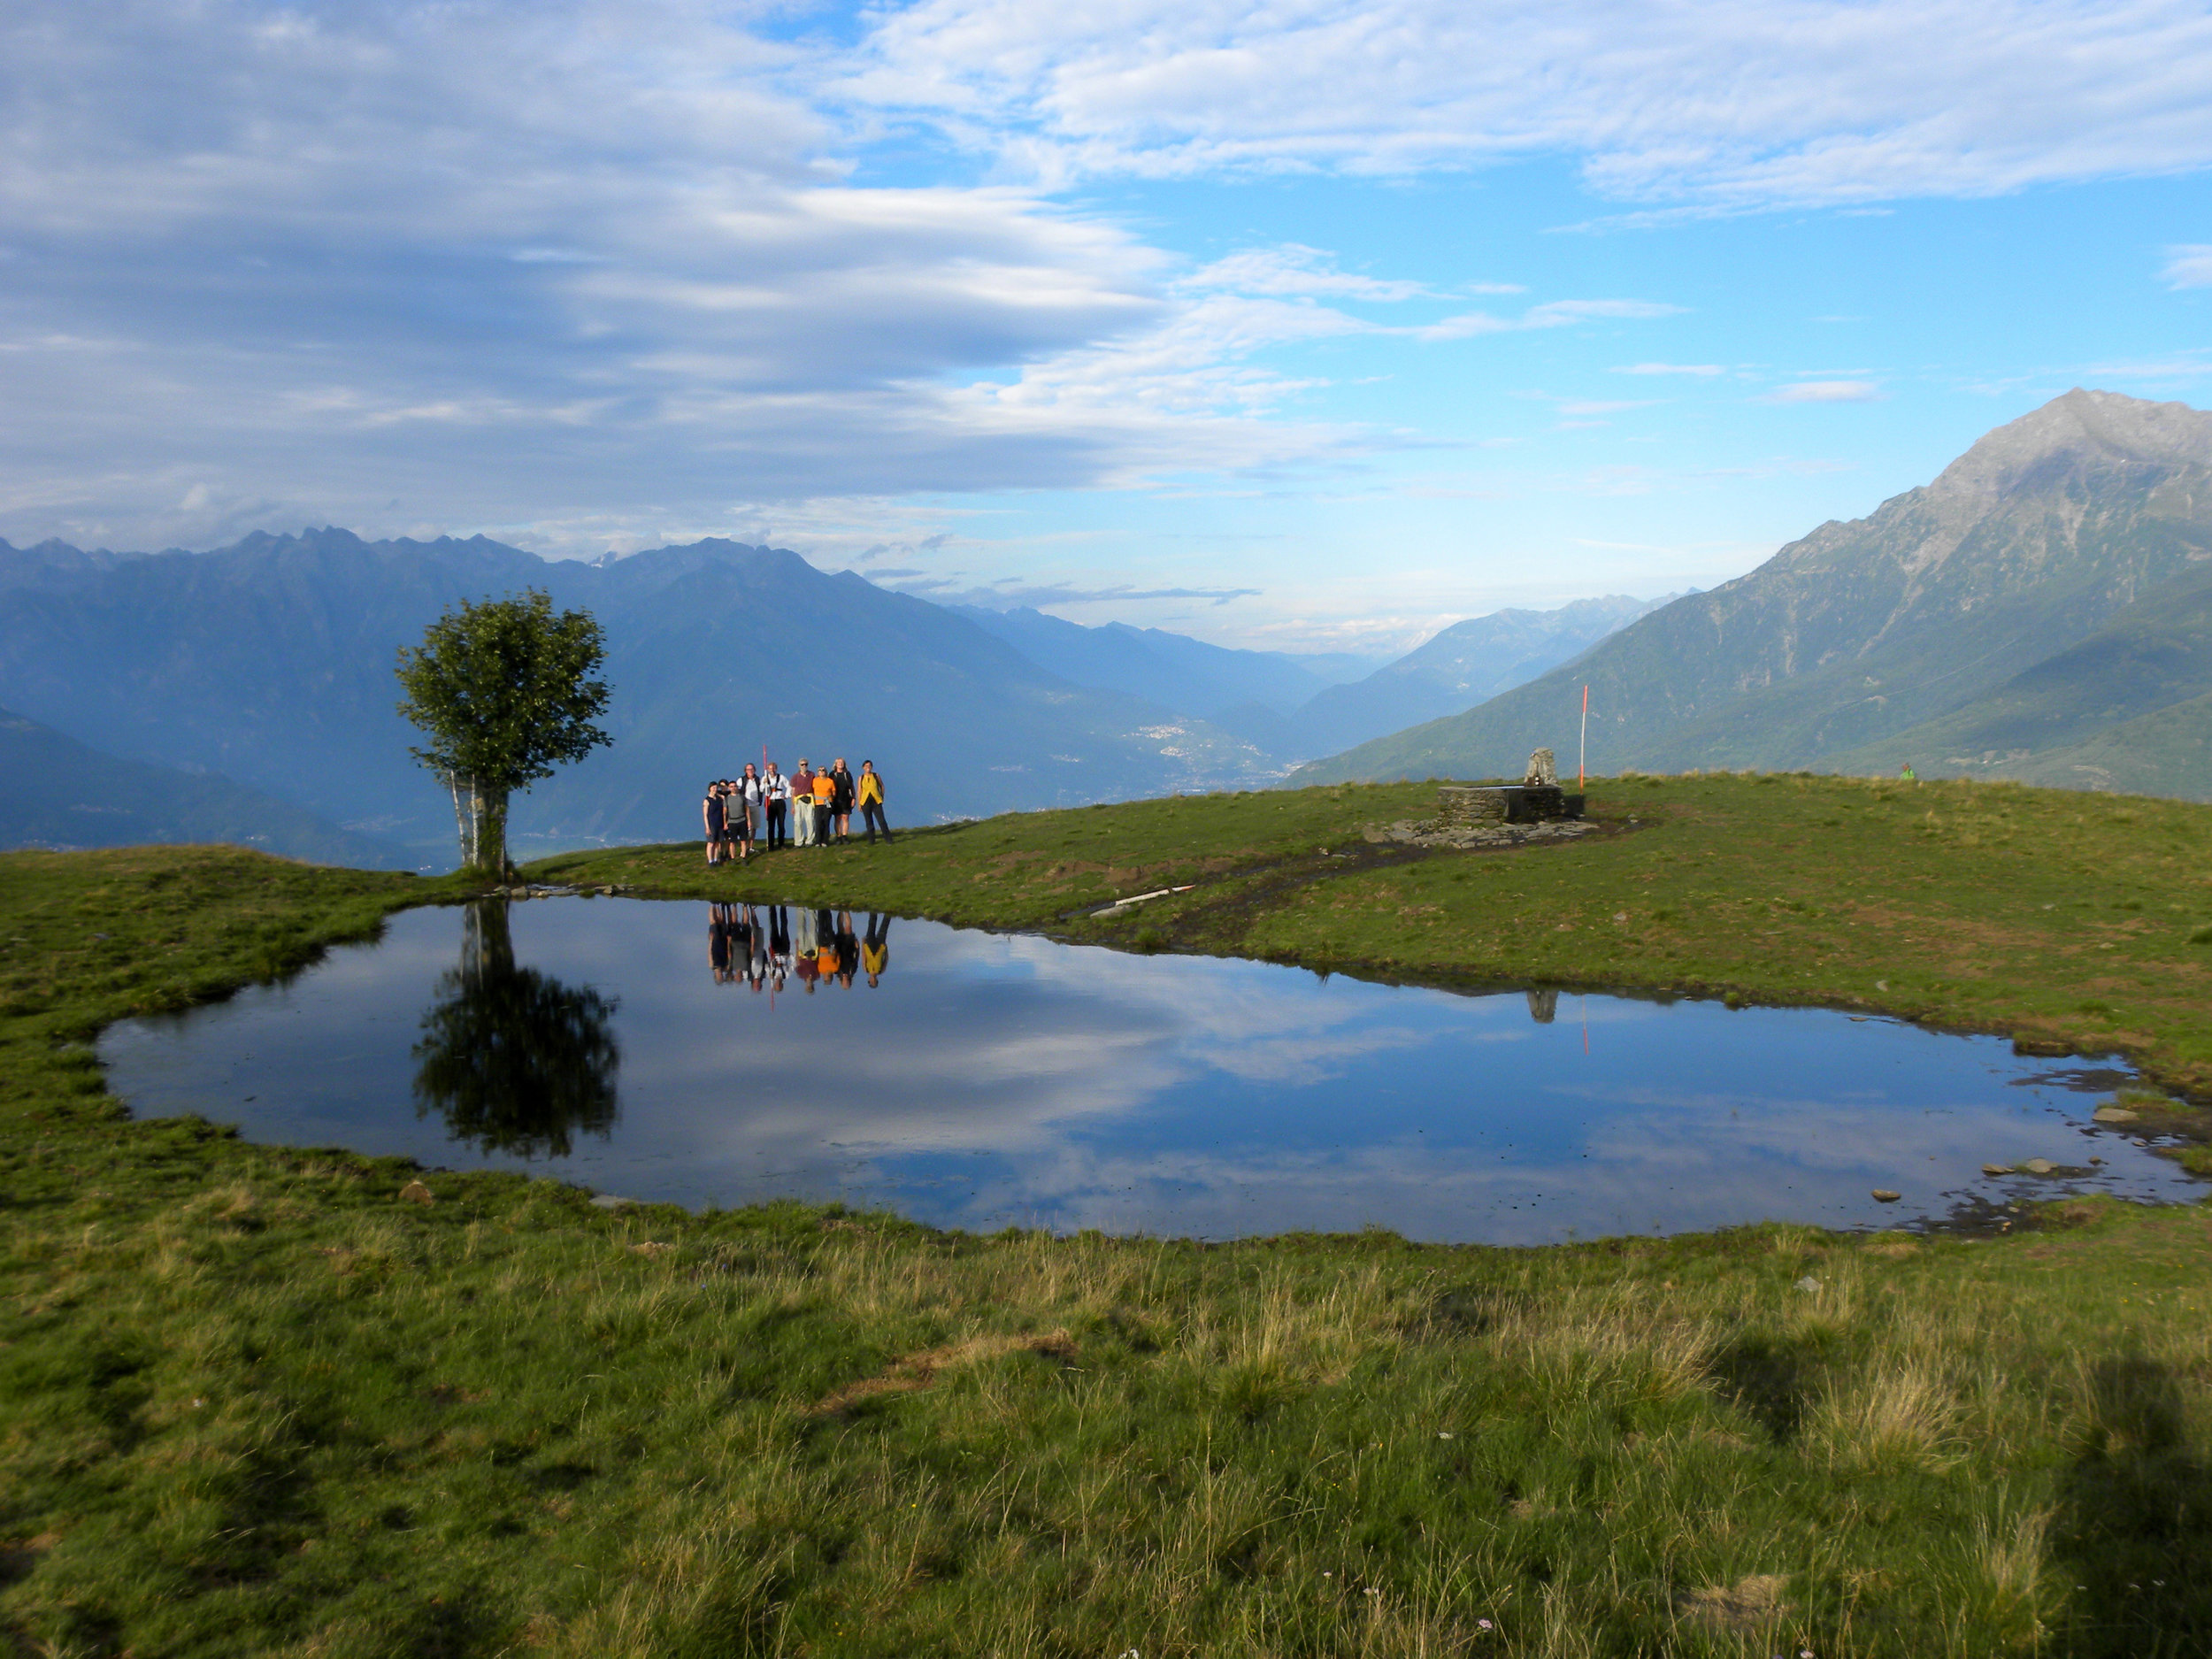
(489, 807)
(481, 815)
(488, 950)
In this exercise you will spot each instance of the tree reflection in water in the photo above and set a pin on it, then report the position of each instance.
(514, 1060)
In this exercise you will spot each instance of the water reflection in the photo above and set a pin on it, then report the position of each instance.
(511, 1058)
(1006, 1079)
(762, 946)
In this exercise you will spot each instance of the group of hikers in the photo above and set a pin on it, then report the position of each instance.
(808, 808)
(763, 945)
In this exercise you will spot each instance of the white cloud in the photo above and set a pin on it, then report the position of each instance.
(577, 265)
(577, 272)
(1825, 392)
(1731, 105)
(1292, 269)
(1551, 314)
(1701, 369)
(2189, 265)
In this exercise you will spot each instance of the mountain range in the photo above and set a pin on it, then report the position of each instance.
(59, 794)
(261, 674)
(270, 662)
(1466, 664)
(2039, 611)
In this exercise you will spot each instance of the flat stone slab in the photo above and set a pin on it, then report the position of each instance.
(1429, 833)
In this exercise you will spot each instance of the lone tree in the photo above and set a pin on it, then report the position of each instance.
(506, 692)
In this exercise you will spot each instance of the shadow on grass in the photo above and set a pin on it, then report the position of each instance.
(1771, 1377)
(2133, 1530)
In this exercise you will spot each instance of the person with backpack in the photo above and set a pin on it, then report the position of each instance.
(775, 792)
(841, 798)
(868, 793)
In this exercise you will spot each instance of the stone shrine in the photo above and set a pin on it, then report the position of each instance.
(1536, 799)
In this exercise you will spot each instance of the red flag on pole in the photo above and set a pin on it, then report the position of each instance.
(1582, 751)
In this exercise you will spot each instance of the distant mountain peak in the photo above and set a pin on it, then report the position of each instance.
(2080, 430)
(1863, 638)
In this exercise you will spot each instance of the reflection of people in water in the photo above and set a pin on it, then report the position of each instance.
(719, 941)
(779, 943)
(757, 955)
(514, 1060)
(1543, 1006)
(804, 961)
(847, 950)
(875, 949)
(740, 942)
(825, 946)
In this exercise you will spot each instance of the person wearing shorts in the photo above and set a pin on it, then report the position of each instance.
(711, 810)
(744, 803)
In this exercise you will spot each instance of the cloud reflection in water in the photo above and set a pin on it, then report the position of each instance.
(993, 1080)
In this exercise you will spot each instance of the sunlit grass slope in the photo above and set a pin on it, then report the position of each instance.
(259, 1401)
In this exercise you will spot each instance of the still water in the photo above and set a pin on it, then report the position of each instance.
(713, 1054)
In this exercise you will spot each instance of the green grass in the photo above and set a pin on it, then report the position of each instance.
(259, 1401)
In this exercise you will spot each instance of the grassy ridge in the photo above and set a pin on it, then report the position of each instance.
(264, 1401)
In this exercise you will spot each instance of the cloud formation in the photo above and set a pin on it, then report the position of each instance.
(1740, 104)
(580, 264)
(586, 273)
(2189, 265)
(1825, 392)
(1013, 594)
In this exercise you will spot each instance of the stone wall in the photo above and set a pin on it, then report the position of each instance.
(1461, 804)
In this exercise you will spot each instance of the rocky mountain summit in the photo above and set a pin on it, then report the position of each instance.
(1840, 649)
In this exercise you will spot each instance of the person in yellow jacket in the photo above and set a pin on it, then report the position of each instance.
(875, 949)
(871, 797)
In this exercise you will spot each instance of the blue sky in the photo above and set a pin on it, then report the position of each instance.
(1287, 323)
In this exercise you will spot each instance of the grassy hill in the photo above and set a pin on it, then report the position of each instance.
(269, 1400)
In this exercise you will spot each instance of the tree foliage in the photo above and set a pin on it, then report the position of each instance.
(505, 690)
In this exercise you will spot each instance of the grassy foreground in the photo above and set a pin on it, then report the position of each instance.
(255, 1400)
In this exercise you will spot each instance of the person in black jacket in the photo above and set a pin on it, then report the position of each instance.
(711, 810)
(841, 801)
